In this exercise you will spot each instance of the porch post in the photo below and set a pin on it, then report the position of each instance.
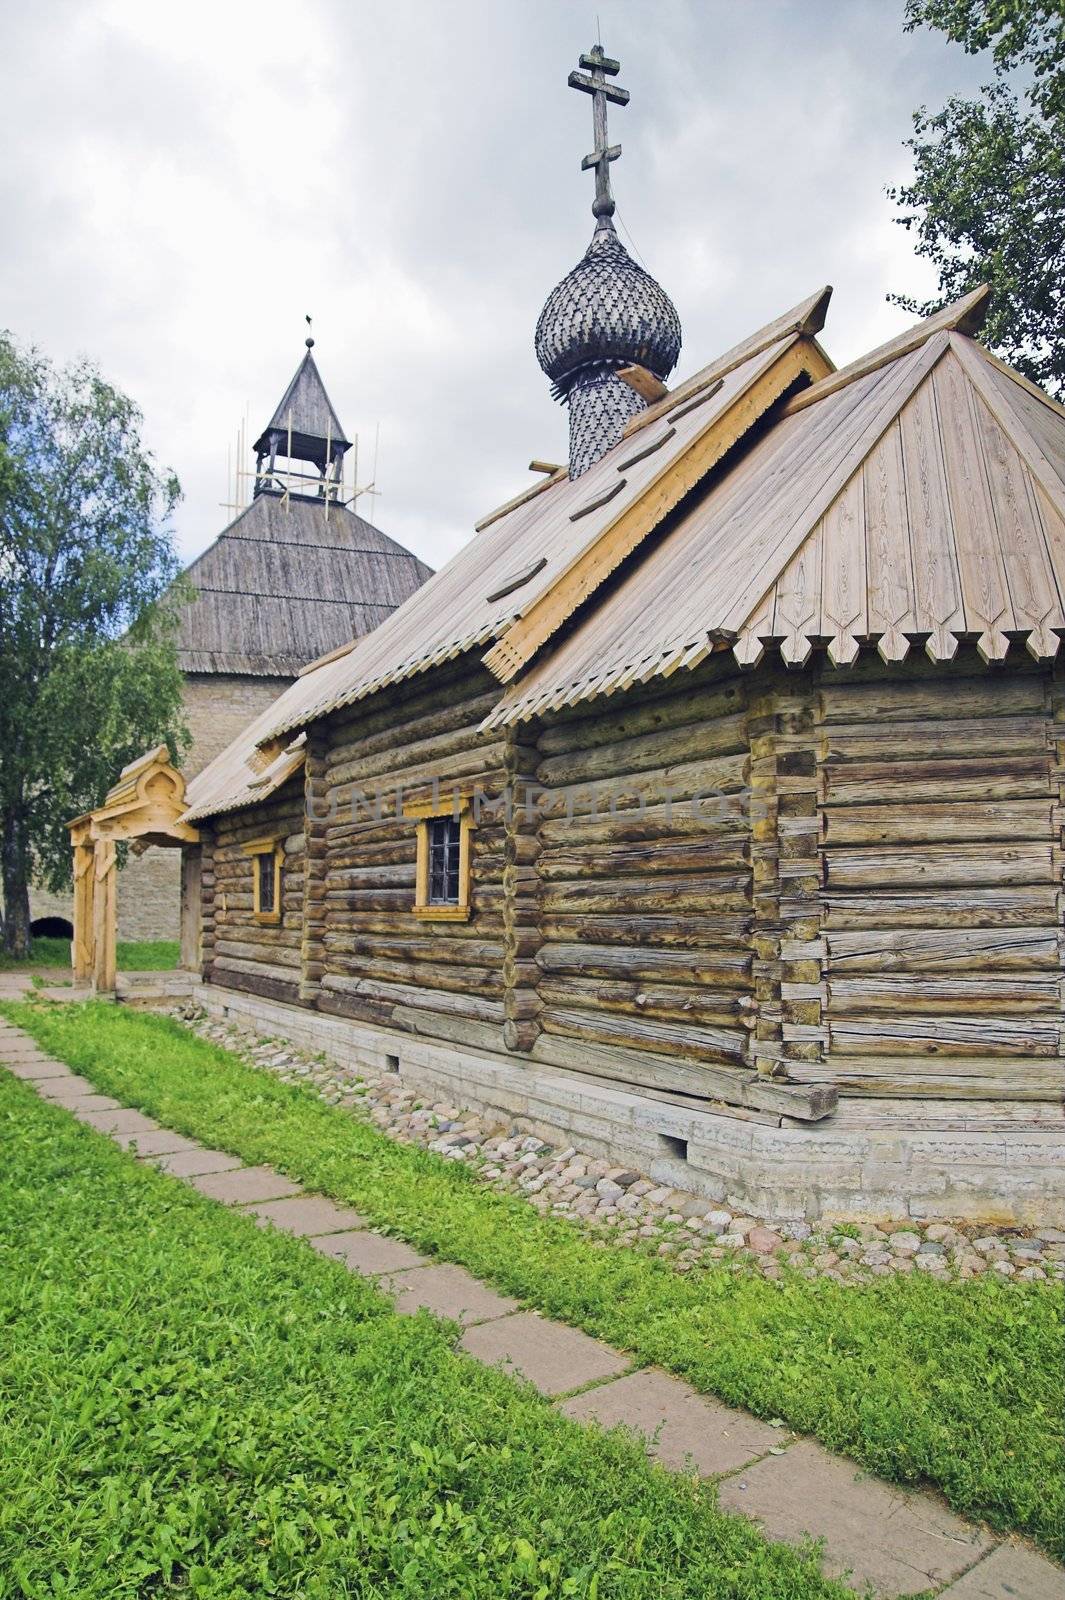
(81, 949)
(105, 873)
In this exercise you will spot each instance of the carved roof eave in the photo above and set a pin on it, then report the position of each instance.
(147, 802)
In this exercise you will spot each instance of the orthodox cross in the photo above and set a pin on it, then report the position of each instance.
(593, 81)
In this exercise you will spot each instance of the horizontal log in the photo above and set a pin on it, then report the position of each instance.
(679, 784)
(711, 968)
(402, 756)
(711, 817)
(973, 950)
(950, 737)
(653, 859)
(268, 985)
(645, 1001)
(676, 1039)
(447, 714)
(642, 1072)
(398, 994)
(454, 976)
(726, 736)
(975, 1035)
(725, 932)
(900, 992)
(1001, 695)
(939, 864)
(1012, 820)
(678, 709)
(723, 893)
(982, 907)
(984, 778)
(957, 1077)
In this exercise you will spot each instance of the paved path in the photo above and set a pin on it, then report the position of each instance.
(876, 1535)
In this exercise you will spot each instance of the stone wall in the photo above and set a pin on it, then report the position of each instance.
(217, 707)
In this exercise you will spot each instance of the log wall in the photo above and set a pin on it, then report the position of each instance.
(744, 890)
(941, 944)
(240, 953)
(380, 962)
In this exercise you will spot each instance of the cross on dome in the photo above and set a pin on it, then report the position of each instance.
(593, 81)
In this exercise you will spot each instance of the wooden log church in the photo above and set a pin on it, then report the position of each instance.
(707, 807)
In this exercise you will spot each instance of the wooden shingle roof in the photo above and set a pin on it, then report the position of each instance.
(283, 585)
(921, 503)
(915, 498)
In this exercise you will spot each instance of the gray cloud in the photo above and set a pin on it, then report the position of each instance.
(183, 183)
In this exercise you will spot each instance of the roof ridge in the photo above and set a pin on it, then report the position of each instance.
(761, 380)
(808, 317)
(965, 315)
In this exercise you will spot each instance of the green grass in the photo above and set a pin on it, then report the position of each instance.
(140, 955)
(148, 955)
(194, 1406)
(957, 1383)
(43, 953)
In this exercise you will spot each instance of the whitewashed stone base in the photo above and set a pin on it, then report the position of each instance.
(834, 1169)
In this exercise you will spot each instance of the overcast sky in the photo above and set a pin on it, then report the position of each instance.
(182, 183)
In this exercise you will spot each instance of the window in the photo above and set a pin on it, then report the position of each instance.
(444, 837)
(266, 857)
(442, 891)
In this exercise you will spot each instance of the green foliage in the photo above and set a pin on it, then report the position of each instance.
(86, 648)
(960, 1383)
(195, 1406)
(987, 202)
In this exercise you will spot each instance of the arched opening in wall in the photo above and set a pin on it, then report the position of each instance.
(52, 928)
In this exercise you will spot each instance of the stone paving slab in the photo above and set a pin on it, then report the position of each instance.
(551, 1355)
(685, 1430)
(114, 1121)
(1011, 1572)
(71, 1087)
(448, 1291)
(155, 1144)
(880, 1536)
(87, 1103)
(195, 1162)
(306, 1215)
(36, 1068)
(368, 1253)
(240, 1187)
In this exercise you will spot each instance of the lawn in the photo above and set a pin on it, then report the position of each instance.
(195, 1406)
(140, 955)
(957, 1383)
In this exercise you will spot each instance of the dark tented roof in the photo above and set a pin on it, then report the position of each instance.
(307, 410)
(285, 584)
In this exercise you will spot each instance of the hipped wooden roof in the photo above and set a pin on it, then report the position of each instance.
(281, 586)
(917, 497)
(921, 503)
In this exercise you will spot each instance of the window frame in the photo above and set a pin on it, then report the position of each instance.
(256, 849)
(425, 813)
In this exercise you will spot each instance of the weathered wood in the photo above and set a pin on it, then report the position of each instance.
(937, 865)
(969, 950)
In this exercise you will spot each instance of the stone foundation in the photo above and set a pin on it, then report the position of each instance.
(835, 1169)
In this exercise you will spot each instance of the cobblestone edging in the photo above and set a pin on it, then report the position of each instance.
(621, 1205)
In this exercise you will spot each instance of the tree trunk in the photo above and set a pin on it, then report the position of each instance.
(14, 864)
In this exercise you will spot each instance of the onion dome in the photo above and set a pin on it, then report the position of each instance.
(608, 313)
